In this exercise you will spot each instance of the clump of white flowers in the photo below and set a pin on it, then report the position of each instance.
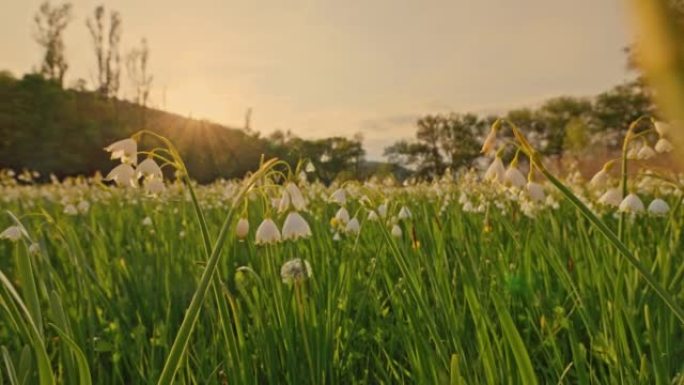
(129, 172)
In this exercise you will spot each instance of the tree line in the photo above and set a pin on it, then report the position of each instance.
(562, 125)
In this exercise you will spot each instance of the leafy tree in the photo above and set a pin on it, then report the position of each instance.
(554, 116)
(441, 141)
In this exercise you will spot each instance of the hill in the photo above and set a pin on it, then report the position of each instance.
(52, 130)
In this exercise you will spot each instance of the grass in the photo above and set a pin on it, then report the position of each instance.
(461, 297)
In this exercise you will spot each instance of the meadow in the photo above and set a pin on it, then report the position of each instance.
(472, 278)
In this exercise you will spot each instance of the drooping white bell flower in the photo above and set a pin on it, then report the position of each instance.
(70, 210)
(148, 168)
(658, 207)
(339, 196)
(396, 231)
(612, 197)
(242, 228)
(353, 226)
(342, 215)
(536, 191)
(489, 142)
(404, 213)
(12, 233)
(600, 179)
(83, 206)
(295, 270)
(372, 215)
(123, 175)
(663, 145)
(645, 152)
(296, 198)
(514, 177)
(631, 204)
(34, 249)
(147, 221)
(382, 210)
(284, 202)
(495, 171)
(267, 232)
(633, 152)
(310, 167)
(295, 227)
(302, 178)
(662, 128)
(154, 186)
(125, 149)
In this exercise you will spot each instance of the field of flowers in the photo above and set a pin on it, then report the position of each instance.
(493, 277)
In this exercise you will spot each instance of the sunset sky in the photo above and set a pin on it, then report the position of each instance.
(321, 68)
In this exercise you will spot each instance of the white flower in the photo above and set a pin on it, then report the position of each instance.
(126, 150)
(154, 186)
(342, 215)
(632, 204)
(336, 237)
(372, 215)
(70, 210)
(147, 221)
(645, 152)
(302, 177)
(13, 233)
(599, 179)
(663, 145)
(514, 177)
(353, 226)
(382, 210)
(489, 142)
(296, 197)
(284, 202)
(309, 167)
(267, 232)
(34, 249)
(658, 207)
(242, 228)
(662, 128)
(612, 197)
(396, 231)
(404, 213)
(148, 168)
(295, 227)
(339, 196)
(536, 191)
(295, 270)
(496, 170)
(83, 207)
(123, 175)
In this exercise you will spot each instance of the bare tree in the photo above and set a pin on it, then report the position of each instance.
(50, 23)
(106, 52)
(137, 60)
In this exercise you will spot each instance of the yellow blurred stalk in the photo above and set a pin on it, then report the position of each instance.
(660, 53)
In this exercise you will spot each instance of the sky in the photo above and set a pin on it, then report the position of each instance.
(323, 68)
